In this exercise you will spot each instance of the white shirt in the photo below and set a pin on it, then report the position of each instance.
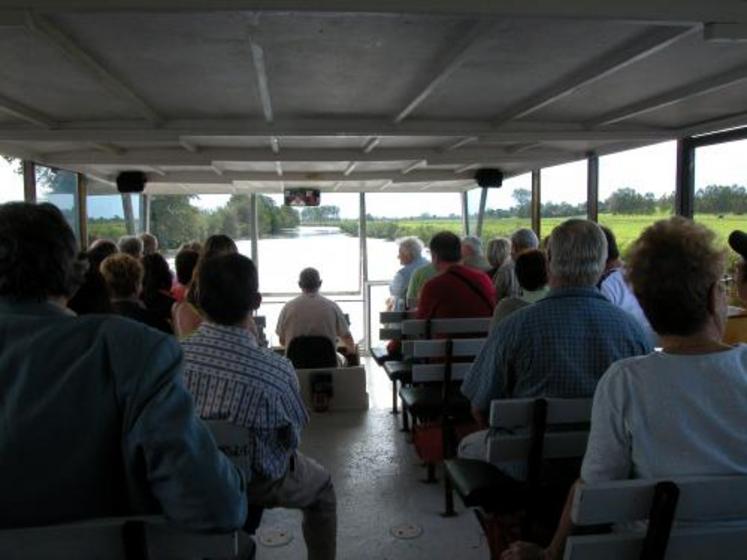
(666, 415)
(618, 292)
(311, 315)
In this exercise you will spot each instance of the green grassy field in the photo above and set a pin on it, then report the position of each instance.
(627, 228)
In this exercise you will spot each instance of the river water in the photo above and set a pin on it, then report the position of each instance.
(337, 257)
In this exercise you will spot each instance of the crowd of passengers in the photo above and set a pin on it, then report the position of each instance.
(115, 404)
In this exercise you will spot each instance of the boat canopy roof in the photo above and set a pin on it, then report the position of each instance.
(358, 95)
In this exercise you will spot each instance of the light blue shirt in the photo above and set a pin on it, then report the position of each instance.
(401, 280)
(233, 379)
(95, 422)
(557, 347)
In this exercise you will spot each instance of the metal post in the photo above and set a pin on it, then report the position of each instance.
(537, 202)
(481, 211)
(465, 214)
(255, 229)
(592, 187)
(29, 181)
(82, 205)
(129, 214)
(684, 198)
(145, 212)
(363, 272)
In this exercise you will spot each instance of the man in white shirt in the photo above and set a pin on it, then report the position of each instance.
(312, 314)
(614, 286)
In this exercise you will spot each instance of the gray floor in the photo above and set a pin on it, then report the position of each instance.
(377, 478)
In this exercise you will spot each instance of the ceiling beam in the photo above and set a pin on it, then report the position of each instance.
(191, 131)
(263, 83)
(414, 165)
(43, 29)
(735, 120)
(618, 10)
(25, 113)
(634, 50)
(458, 53)
(701, 87)
(211, 156)
(371, 144)
(209, 177)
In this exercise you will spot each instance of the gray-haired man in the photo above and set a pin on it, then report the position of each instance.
(561, 345)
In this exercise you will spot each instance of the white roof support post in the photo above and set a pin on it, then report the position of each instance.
(465, 213)
(481, 211)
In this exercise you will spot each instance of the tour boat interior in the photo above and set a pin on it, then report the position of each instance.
(361, 96)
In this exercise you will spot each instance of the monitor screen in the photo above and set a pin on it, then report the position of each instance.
(302, 197)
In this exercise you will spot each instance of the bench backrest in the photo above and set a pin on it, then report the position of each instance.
(391, 324)
(719, 501)
(460, 349)
(418, 329)
(233, 441)
(513, 428)
(118, 538)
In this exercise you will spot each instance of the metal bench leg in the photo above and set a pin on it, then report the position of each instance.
(405, 419)
(448, 495)
(395, 397)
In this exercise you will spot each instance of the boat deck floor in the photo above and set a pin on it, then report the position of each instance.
(377, 478)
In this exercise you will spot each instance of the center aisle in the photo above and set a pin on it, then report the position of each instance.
(377, 479)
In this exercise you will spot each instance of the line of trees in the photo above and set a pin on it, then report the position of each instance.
(713, 199)
(175, 221)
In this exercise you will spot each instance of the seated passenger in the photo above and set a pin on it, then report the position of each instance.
(157, 281)
(312, 314)
(131, 245)
(472, 254)
(679, 412)
(150, 243)
(614, 286)
(93, 295)
(506, 284)
(185, 262)
(457, 291)
(561, 345)
(417, 281)
(411, 258)
(531, 272)
(186, 315)
(233, 379)
(498, 254)
(96, 420)
(123, 275)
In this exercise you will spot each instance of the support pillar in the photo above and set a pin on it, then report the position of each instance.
(537, 202)
(81, 204)
(592, 187)
(465, 214)
(684, 197)
(29, 181)
(481, 211)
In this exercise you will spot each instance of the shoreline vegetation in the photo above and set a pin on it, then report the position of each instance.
(626, 211)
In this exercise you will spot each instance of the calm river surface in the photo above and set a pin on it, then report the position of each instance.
(336, 256)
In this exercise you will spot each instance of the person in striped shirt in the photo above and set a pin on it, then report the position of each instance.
(234, 380)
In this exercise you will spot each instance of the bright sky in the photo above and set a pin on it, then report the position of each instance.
(650, 169)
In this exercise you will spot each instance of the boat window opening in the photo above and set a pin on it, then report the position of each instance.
(507, 208)
(636, 188)
(60, 188)
(563, 194)
(12, 180)
(721, 190)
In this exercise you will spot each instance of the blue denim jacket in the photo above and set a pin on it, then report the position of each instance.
(95, 421)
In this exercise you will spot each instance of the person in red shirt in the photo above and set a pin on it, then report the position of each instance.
(457, 291)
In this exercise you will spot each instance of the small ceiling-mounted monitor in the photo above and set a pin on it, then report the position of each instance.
(302, 197)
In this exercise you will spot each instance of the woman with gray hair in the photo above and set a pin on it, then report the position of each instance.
(472, 255)
(411, 258)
